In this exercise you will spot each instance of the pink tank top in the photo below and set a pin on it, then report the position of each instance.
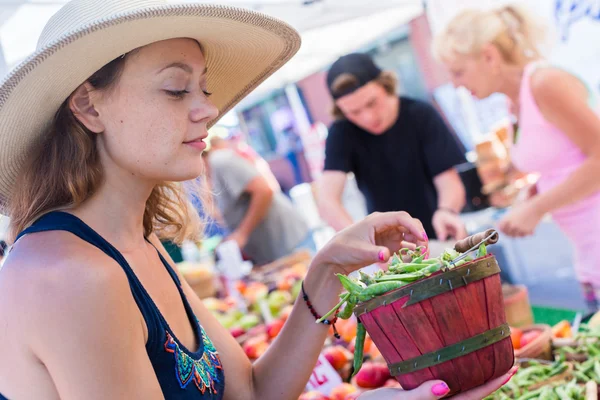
(542, 148)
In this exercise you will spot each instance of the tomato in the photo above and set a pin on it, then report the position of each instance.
(516, 335)
(529, 337)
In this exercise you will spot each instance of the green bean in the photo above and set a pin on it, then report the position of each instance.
(512, 385)
(597, 368)
(531, 395)
(593, 350)
(361, 333)
(349, 308)
(546, 394)
(418, 260)
(482, 252)
(334, 309)
(558, 369)
(366, 279)
(431, 269)
(348, 284)
(581, 376)
(382, 287)
(401, 277)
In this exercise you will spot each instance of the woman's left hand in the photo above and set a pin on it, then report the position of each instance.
(521, 220)
(372, 240)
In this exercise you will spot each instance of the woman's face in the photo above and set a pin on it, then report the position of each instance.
(155, 118)
(472, 72)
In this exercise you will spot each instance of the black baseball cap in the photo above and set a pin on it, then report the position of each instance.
(359, 65)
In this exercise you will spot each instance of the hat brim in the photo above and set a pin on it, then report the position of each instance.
(242, 49)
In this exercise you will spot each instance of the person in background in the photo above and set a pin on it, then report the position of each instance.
(498, 51)
(400, 150)
(263, 222)
(244, 150)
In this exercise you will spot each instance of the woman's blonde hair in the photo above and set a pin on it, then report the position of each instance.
(64, 170)
(511, 29)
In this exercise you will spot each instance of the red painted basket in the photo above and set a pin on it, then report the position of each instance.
(450, 326)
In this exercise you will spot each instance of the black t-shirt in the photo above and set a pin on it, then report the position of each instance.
(395, 170)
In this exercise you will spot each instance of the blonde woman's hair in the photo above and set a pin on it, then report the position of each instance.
(511, 29)
(64, 170)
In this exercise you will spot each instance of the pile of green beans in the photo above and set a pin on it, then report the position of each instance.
(399, 274)
(535, 374)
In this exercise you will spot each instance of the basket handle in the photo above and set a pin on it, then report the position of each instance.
(467, 243)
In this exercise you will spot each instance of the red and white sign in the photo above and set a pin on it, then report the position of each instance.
(324, 377)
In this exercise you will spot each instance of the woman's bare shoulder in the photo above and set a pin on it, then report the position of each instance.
(51, 272)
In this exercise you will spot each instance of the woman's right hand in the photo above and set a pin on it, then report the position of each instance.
(437, 389)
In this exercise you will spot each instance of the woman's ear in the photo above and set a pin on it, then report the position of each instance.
(82, 105)
(492, 57)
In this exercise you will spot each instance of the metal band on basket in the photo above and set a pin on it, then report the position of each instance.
(435, 285)
(459, 349)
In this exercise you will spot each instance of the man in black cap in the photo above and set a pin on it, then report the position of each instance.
(400, 150)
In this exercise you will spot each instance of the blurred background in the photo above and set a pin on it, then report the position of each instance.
(285, 121)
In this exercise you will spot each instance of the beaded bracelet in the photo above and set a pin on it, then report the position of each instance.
(317, 316)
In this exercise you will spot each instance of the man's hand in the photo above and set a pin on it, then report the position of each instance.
(448, 225)
(239, 237)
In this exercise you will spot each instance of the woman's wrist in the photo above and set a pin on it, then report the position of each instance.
(322, 286)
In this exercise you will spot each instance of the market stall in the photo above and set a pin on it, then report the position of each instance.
(558, 350)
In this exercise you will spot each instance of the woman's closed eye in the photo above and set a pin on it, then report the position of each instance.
(180, 94)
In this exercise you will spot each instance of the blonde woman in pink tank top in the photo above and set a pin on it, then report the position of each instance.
(490, 51)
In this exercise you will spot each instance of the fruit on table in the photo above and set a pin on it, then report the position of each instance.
(277, 300)
(347, 329)
(248, 321)
(313, 395)
(255, 346)
(352, 396)
(285, 312)
(595, 320)
(562, 330)
(337, 356)
(372, 375)
(392, 383)
(255, 291)
(214, 304)
(342, 391)
(274, 328)
(296, 289)
(236, 332)
(529, 337)
(515, 336)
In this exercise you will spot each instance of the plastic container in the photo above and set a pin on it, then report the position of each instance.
(541, 347)
(516, 305)
(450, 326)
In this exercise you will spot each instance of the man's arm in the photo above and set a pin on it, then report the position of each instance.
(451, 191)
(330, 189)
(443, 154)
(261, 197)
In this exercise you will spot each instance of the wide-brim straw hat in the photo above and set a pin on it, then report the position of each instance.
(242, 49)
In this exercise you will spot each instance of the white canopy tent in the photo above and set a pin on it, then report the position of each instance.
(329, 28)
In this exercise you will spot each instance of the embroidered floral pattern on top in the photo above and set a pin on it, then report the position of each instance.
(202, 371)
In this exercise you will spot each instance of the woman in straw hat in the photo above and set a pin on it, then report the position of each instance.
(95, 127)
(497, 50)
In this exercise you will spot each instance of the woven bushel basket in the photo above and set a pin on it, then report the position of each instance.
(450, 326)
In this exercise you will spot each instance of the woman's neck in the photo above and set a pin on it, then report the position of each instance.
(116, 211)
(510, 82)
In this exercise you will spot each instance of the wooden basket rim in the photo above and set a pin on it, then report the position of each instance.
(426, 288)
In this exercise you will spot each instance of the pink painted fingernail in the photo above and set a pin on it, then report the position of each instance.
(512, 373)
(425, 237)
(381, 255)
(441, 389)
